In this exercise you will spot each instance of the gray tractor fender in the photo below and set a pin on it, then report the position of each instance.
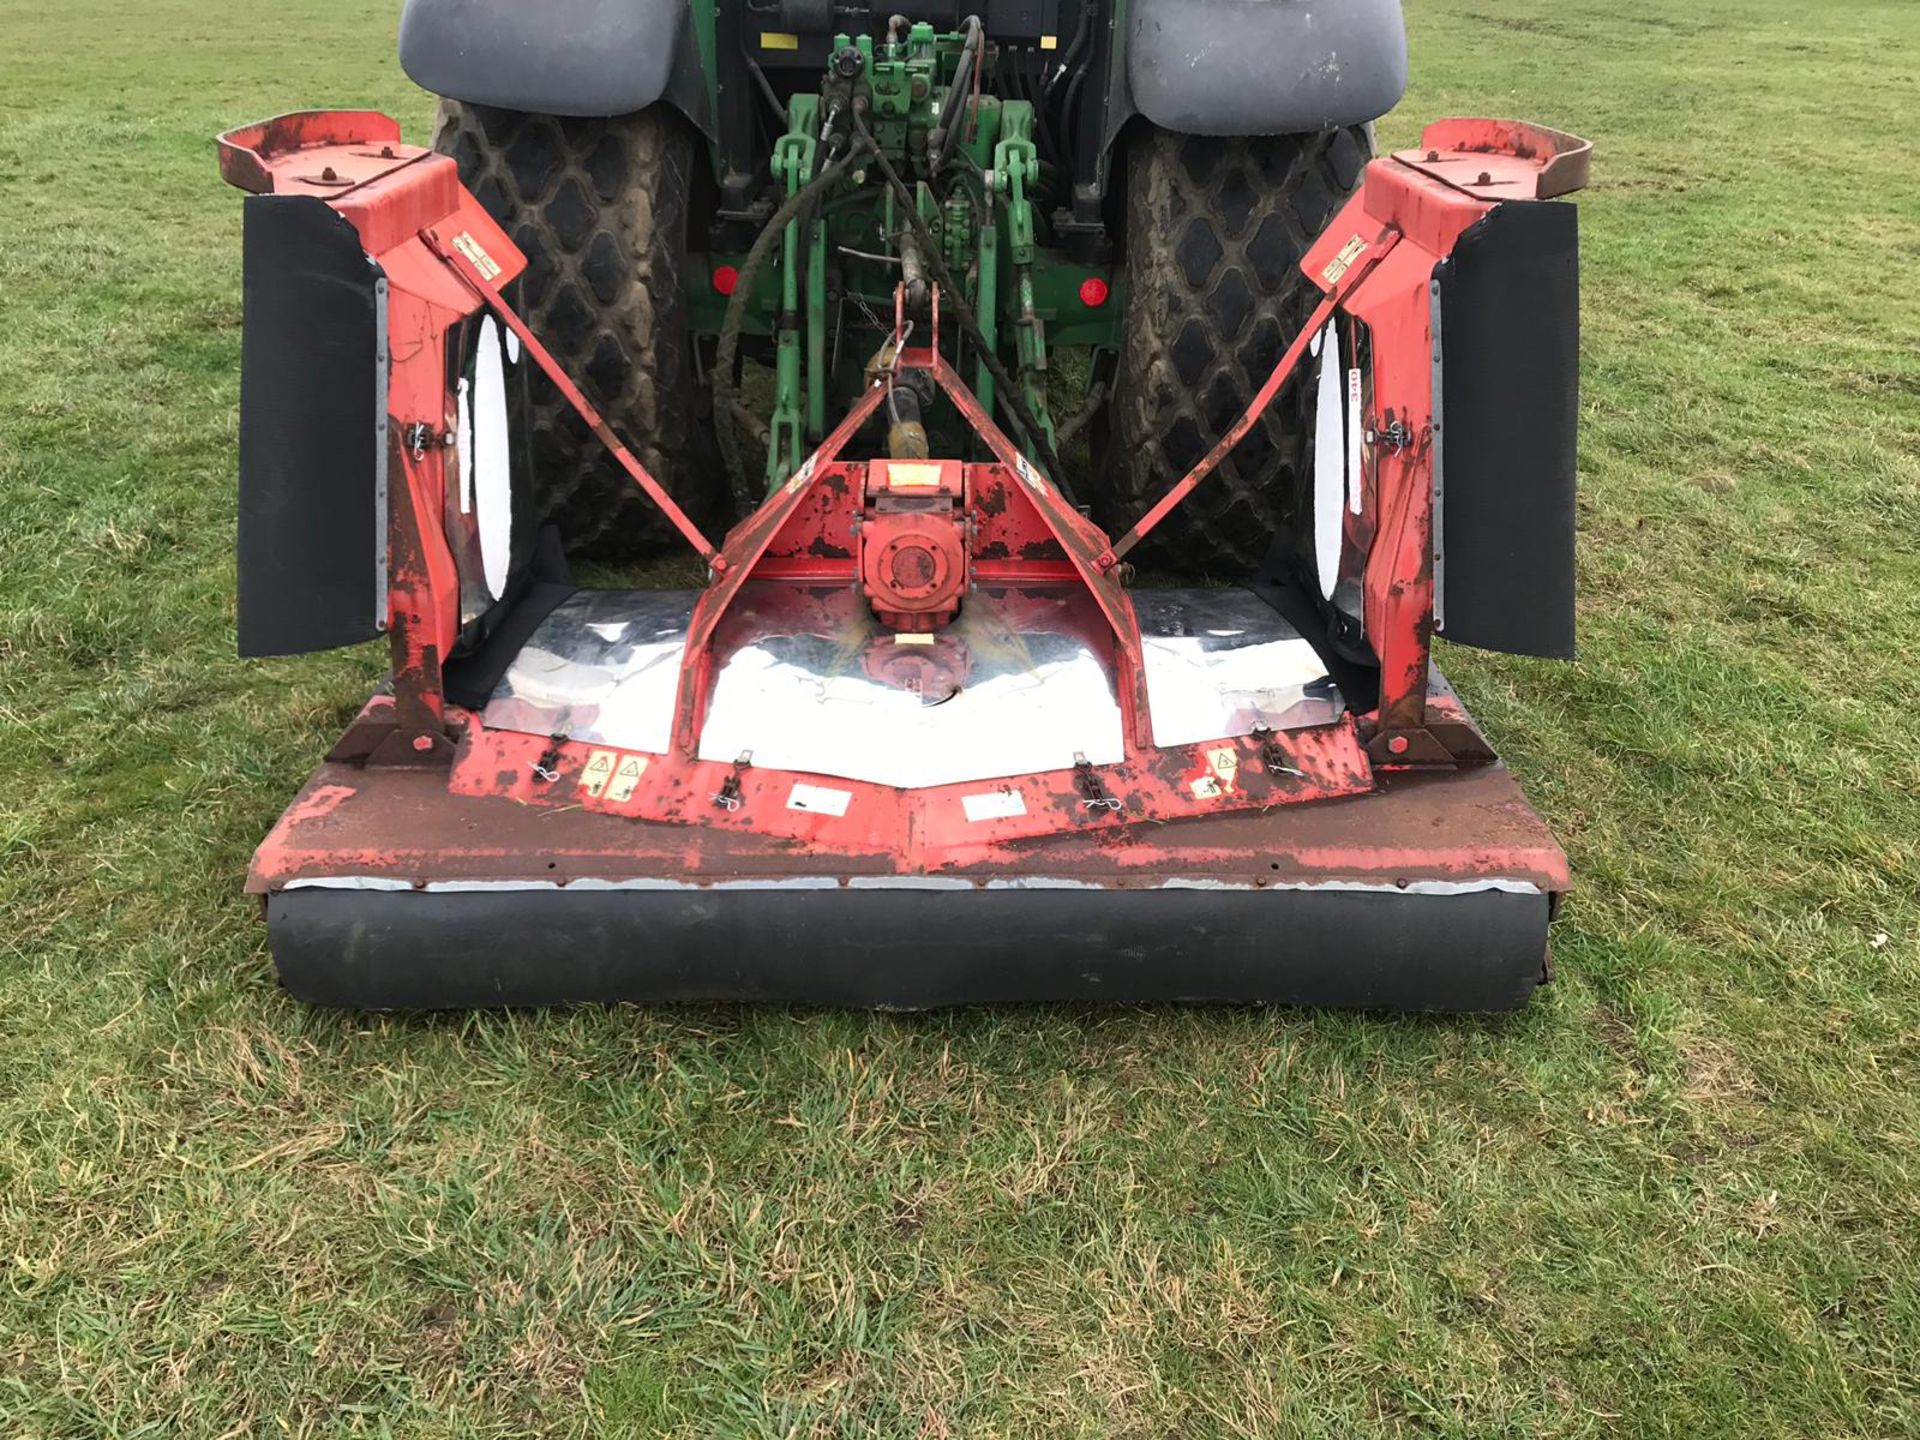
(1265, 67)
(561, 57)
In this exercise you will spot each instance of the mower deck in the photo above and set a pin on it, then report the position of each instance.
(483, 885)
(918, 740)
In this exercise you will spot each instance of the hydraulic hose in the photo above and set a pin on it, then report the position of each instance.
(947, 133)
(727, 354)
(1074, 424)
(955, 304)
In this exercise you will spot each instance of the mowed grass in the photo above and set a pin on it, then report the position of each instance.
(1679, 1195)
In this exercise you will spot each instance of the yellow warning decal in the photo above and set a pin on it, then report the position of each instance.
(593, 779)
(478, 258)
(1342, 262)
(778, 40)
(912, 473)
(1223, 768)
(625, 777)
(913, 637)
(1049, 42)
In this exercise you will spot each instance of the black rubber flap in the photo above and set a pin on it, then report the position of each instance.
(312, 531)
(909, 950)
(1510, 347)
(1338, 643)
(470, 677)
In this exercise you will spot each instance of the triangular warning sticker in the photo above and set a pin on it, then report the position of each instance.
(599, 769)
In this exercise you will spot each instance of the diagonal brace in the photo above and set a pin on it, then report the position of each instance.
(1210, 462)
(481, 286)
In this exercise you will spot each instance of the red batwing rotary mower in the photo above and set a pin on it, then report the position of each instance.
(922, 737)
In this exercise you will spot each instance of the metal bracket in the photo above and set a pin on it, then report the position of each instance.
(1093, 790)
(728, 797)
(1273, 755)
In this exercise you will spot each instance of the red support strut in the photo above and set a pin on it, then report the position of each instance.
(464, 267)
(1210, 462)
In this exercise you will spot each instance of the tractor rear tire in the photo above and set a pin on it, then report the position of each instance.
(600, 208)
(1215, 228)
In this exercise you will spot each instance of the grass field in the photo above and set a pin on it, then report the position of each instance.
(1679, 1195)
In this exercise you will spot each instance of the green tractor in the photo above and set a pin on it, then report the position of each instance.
(720, 201)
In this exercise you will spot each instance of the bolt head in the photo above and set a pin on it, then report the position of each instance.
(1397, 745)
(423, 743)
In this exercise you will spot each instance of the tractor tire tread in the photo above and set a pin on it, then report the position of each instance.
(599, 207)
(1215, 229)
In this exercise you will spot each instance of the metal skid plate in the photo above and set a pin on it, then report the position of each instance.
(807, 680)
(601, 667)
(1223, 663)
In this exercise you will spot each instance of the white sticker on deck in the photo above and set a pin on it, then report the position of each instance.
(599, 770)
(819, 799)
(1223, 765)
(625, 778)
(994, 805)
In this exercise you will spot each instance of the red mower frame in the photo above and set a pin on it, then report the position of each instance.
(445, 260)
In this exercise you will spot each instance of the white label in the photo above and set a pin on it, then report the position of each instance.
(994, 805)
(1223, 764)
(913, 474)
(625, 778)
(1342, 262)
(476, 257)
(819, 799)
(598, 771)
(1353, 440)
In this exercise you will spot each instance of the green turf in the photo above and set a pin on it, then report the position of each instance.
(1679, 1195)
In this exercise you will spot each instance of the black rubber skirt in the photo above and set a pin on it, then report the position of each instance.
(910, 949)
